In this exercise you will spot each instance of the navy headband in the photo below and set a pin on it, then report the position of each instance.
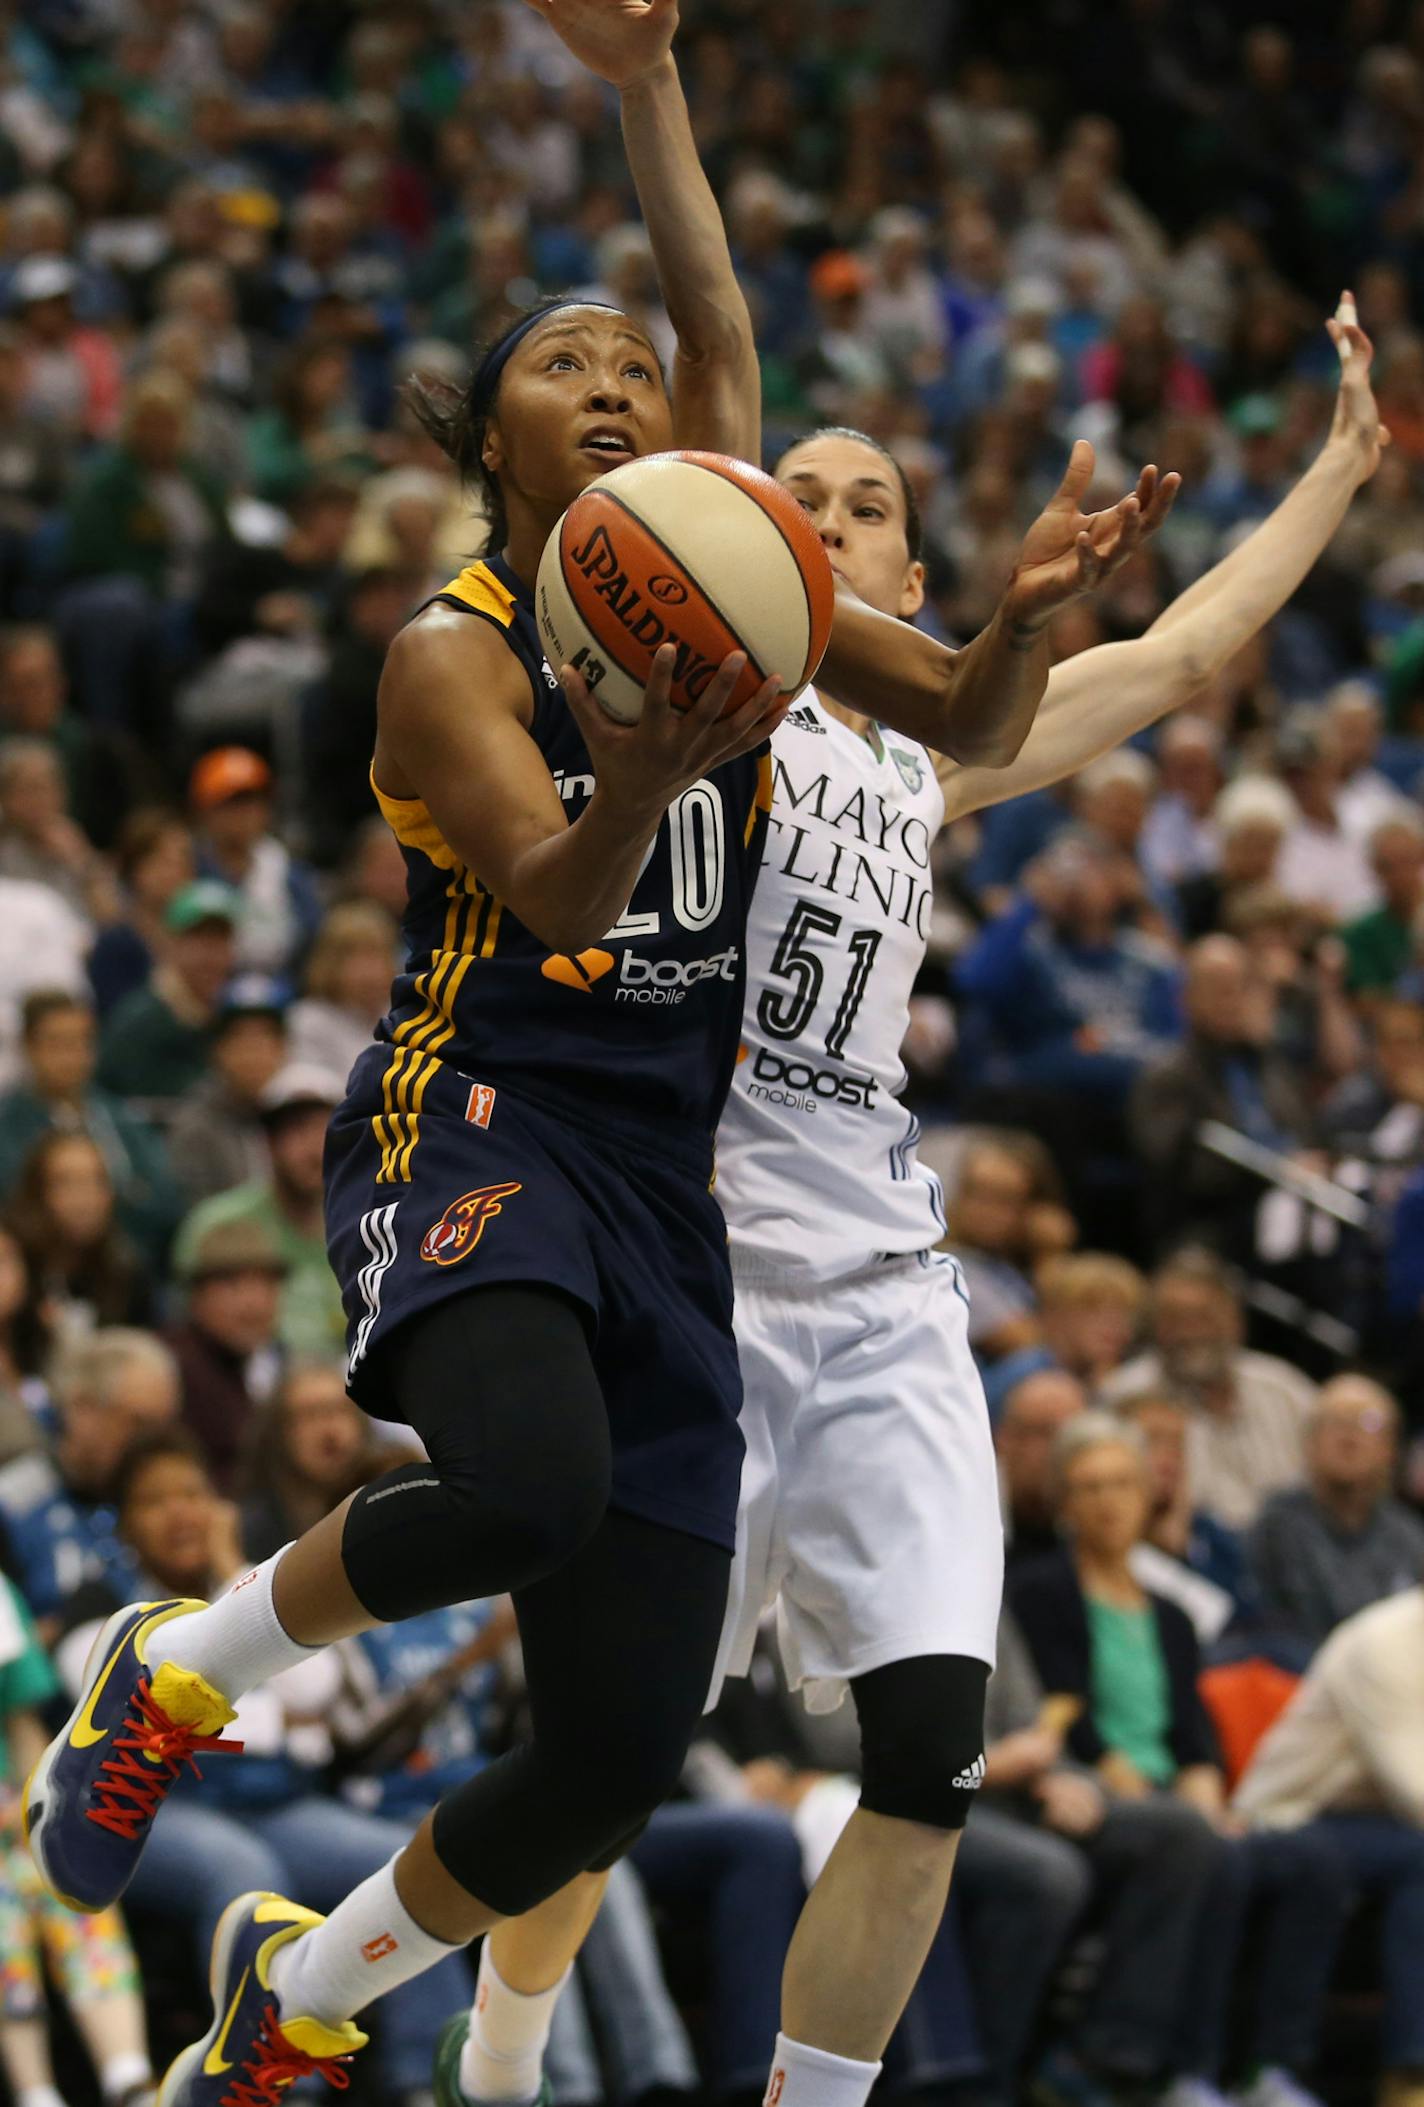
(492, 365)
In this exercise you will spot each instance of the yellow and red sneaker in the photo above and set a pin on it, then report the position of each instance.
(91, 1799)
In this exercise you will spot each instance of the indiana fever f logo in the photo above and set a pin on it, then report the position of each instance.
(462, 1225)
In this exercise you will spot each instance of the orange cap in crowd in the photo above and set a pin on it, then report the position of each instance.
(227, 772)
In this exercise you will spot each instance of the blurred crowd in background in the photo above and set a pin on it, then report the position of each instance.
(1168, 1046)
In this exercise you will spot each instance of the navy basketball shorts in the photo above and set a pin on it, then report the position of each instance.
(474, 1184)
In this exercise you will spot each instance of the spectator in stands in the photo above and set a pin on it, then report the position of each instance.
(1064, 1002)
(39, 838)
(144, 508)
(36, 461)
(65, 1214)
(230, 796)
(1252, 818)
(989, 1234)
(56, 1524)
(25, 1346)
(1034, 1409)
(58, 1091)
(1381, 944)
(1323, 1550)
(72, 375)
(1176, 1525)
(1321, 864)
(312, 429)
(1226, 1070)
(226, 1342)
(156, 1041)
(1047, 1842)
(1091, 1306)
(42, 945)
(154, 861)
(348, 987)
(90, 1959)
(1246, 1435)
(1346, 1760)
(1303, 968)
(1354, 717)
(217, 1136)
(1179, 839)
(1131, 1660)
(303, 1457)
(99, 769)
(287, 1205)
(339, 714)
(1378, 1112)
(260, 1822)
(278, 589)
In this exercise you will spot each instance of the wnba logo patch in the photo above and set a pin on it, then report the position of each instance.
(480, 1104)
(580, 972)
(775, 2089)
(462, 1225)
(379, 1949)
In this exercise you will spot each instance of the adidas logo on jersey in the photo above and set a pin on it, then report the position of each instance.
(805, 721)
(971, 1779)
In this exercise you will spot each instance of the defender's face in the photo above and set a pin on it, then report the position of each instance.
(856, 505)
(582, 394)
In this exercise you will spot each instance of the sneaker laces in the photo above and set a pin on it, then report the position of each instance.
(150, 1751)
(275, 2064)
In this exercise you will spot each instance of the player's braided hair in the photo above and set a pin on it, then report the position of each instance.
(914, 524)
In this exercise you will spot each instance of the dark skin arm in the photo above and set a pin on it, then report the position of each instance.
(454, 718)
(978, 705)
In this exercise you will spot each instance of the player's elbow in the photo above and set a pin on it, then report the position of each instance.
(563, 928)
(978, 743)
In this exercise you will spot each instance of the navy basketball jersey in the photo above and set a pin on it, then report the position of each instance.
(645, 1023)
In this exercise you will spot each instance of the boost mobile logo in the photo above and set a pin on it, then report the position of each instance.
(580, 972)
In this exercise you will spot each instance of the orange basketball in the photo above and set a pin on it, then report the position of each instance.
(692, 549)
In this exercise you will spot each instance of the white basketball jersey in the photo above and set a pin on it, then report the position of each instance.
(816, 1165)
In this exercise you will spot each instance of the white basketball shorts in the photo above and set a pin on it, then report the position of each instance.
(869, 1507)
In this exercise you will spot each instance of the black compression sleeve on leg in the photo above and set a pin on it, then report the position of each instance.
(619, 1647)
(499, 1385)
(922, 1738)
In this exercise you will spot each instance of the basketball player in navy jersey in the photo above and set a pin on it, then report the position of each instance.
(887, 1552)
(535, 1273)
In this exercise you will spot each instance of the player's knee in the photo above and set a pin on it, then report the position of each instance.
(922, 1739)
(534, 1519)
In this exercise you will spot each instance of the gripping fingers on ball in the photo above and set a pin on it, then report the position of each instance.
(756, 720)
(657, 695)
(707, 710)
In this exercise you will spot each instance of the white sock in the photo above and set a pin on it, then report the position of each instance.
(503, 2057)
(38, 2096)
(122, 2073)
(238, 1641)
(368, 1945)
(811, 2077)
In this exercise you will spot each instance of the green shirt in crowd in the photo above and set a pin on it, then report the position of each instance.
(312, 1320)
(1131, 1701)
(1378, 948)
(26, 1677)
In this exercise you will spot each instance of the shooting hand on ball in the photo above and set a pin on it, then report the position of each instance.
(644, 766)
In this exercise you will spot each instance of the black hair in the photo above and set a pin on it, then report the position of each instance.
(914, 524)
(158, 1445)
(456, 417)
